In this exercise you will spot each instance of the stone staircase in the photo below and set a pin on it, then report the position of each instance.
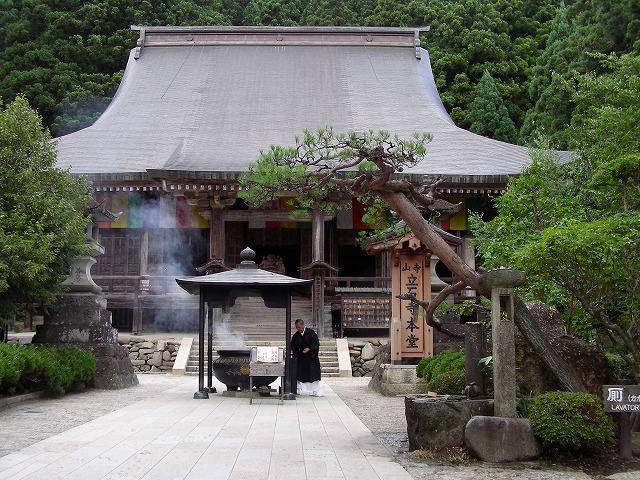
(329, 358)
(328, 355)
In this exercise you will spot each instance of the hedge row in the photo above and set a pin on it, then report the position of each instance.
(28, 368)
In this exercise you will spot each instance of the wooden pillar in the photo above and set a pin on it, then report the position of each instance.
(144, 253)
(216, 234)
(317, 254)
(317, 232)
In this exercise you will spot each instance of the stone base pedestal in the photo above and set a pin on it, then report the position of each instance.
(398, 380)
(438, 424)
(82, 320)
(501, 439)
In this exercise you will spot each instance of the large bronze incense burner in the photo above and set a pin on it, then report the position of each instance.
(232, 369)
(220, 291)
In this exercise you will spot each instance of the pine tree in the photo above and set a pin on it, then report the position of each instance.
(488, 115)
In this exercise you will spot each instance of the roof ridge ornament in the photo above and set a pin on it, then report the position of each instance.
(416, 42)
(247, 256)
(139, 42)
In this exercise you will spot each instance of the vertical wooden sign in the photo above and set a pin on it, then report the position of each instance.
(416, 336)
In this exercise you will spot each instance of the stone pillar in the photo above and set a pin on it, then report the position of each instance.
(504, 353)
(474, 349)
(501, 282)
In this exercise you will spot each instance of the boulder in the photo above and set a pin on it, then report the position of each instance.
(438, 423)
(369, 365)
(383, 357)
(500, 439)
(368, 352)
(156, 359)
(587, 360)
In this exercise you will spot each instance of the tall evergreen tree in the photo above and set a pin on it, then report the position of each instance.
(488, 115)
(330, 12)
(471, 36)
(67, 58)
(550, 114)
(581, 29)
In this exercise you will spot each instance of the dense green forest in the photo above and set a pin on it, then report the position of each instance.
(67, 56)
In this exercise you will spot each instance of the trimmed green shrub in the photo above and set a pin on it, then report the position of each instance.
(446, 361)
(26, 368)
(448, 383)
(569, 420)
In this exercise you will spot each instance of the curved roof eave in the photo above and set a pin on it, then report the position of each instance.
(204, 112)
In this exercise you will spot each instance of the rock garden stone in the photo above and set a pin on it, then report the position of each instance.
(500, 439)
(368, 352)
(436, 423)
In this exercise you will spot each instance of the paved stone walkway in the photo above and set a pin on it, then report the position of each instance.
(156, 430)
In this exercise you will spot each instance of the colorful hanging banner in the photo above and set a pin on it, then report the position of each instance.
(351, 218)
(151, 211)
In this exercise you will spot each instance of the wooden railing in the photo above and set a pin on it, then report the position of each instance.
(137, 284)
(358, 282)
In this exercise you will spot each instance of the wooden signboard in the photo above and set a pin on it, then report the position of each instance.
(416, 338)
(621, 398)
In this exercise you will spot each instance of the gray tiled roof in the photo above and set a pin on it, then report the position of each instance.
(241, 277)
(213, 107)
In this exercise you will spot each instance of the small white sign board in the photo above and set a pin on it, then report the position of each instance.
(268, 355)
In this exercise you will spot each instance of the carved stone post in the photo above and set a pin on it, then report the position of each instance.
(501, 282)
(474, 349)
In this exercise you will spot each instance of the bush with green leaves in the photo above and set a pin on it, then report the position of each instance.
(617, 368)
(446, 361)
(569, 420)
(448, 383)
(27, 368)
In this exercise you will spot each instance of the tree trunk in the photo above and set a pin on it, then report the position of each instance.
(523, 319)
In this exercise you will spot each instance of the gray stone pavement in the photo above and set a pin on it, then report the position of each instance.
(156, 430)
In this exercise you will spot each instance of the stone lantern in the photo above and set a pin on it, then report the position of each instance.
(80, 317)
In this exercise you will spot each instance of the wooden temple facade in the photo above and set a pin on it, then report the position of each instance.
(196, 105)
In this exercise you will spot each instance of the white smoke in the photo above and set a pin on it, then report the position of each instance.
(224, 333)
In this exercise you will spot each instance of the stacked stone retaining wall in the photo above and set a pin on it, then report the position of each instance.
(363, 356)
(155, 356)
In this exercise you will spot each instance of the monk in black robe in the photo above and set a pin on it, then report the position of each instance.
(305, 346)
